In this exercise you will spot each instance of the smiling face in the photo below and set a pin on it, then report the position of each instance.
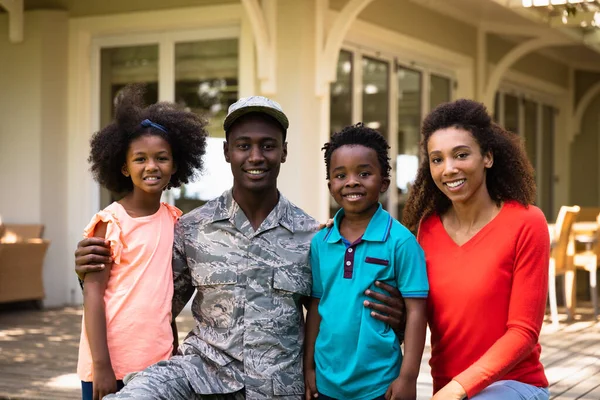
(457, 164)
(149, 164)
(356, 180)
(255, 149)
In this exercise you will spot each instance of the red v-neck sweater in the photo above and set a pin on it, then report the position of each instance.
(487, 299)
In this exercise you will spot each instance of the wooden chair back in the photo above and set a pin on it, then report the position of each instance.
(588, 214)
(563, 248)
(26, 231)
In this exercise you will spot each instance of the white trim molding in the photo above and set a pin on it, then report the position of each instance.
(15, 19)
(263, 23)
(510, 58)
(329, 42)
(585, 101)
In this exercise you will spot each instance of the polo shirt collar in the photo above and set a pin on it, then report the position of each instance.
(228, 209)
(378, 229)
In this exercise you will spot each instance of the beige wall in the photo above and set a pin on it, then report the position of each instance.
(553, 71)
(408, 18)
(33, 152)
(81, 8)
(585, 164)
(20, 135)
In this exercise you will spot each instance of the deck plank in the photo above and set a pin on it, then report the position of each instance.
(39, 348)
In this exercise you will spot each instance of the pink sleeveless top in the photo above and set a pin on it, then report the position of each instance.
(139, 290)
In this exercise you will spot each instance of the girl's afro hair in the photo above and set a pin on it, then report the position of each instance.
(185, 133)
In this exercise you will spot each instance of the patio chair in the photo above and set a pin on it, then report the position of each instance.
(561, 261)
(587, 214)
(588, 260)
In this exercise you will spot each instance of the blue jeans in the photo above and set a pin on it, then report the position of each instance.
(323, 397)
(87, 389)
(512, 390)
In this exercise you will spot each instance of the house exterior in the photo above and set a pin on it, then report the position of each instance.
(328, 63)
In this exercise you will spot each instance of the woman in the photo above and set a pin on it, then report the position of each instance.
(487, 251)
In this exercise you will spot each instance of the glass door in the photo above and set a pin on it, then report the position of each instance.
(120, 66)
(534, 121)
(198, 70)
(206, 82)
(410, 110)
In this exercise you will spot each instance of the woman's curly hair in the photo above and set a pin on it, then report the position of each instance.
(361, 135)
(186, 134)
(511, 176)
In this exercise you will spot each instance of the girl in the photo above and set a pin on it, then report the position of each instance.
(127, 306)
(487, 252)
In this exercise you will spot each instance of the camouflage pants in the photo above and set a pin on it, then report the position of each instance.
(165, 381)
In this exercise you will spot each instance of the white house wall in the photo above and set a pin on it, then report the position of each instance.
(48, 107)
(33, 154)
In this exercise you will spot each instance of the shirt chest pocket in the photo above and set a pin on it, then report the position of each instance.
(294, 279)
(217, 290)
(380, 269)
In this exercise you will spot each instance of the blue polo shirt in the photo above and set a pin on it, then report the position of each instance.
(357, 357)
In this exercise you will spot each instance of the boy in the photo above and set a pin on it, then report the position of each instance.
(349, 355)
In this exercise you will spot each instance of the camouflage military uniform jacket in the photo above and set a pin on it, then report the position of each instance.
(249, 322)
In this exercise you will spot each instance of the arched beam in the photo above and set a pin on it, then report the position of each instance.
(510, 58)
(584, 103)
(329, 45)
(262, 20)
(15, 19)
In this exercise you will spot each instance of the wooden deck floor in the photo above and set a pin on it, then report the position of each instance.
(38, 356)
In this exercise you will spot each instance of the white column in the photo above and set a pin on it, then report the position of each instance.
(302, 177)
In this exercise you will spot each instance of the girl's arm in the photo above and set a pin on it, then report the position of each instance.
(525, 314)
(95, 325)
(313, 321)
(405, 386)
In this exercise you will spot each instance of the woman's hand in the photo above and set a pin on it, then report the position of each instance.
(452, 391)
(391, 311)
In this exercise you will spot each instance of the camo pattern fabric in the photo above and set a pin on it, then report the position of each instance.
(250, 284)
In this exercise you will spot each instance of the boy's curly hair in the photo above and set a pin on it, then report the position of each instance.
(186, 135)
(511, 176)
(359, 135)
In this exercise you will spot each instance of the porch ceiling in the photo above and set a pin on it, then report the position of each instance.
(81, 8)
(514, 17)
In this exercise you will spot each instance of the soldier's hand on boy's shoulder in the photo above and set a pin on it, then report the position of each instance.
(327, 224)
(402, 389)
(391, 310)
(91, 255)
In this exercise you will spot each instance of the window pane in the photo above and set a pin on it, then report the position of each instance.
(120, 66)
(496, 116)
(530, 134)
(341, 94)
(546, 178)
(375, 96)
(206, 82)
(409, 126)
(511, 113)
(341, 103)
(440, 91)
(206, 79)
(375, 99)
